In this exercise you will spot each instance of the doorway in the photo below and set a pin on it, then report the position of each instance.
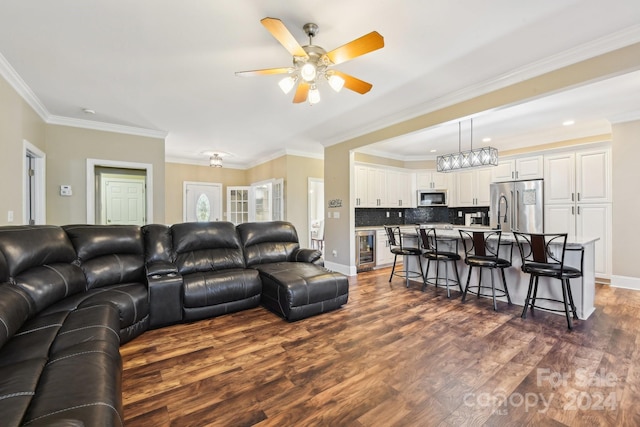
(316, 212)
(34, 180)
(98, 203)
(202, 201)
(121, 196)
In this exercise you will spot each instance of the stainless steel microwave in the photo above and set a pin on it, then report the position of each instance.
(432, 197)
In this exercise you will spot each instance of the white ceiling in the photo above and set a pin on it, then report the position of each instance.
(168, 66)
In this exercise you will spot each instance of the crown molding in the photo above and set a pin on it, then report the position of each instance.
(19, 85)
(25, 92)
(107, 127)
(620, 39)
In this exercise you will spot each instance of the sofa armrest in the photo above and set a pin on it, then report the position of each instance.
(312, 256)
(165, 294)
(160, 268)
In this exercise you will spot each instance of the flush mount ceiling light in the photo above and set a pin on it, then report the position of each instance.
(486, 156)
(215, 157)
(215, 161)
(312, 64)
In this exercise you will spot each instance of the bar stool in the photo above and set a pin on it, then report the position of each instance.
(430, 241)
(538, 259)
(482, 250)
(394, 236)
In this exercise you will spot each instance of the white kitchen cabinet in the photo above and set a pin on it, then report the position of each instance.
(371, 187)
(578, 177)
(473, 187)
(398, 185)
(431, 180)
(384, 257)
(522, 168)
(379, 187)
(587, 220)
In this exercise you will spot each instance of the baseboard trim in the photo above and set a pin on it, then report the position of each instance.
(341, 268)
(625, 282)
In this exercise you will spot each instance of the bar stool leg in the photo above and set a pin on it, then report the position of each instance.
(566, 305)
(504, 283)
(526, 301)
(466, 288)
(535, 294)
(455, 268)
(446, 278)
(426, 275)
(493, 292)
(424, 281)
(393, 269)
(406, 271)
(479, 282)
(573, 306)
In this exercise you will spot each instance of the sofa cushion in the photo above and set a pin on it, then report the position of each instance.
(14, 310)
(297, 290)
(38, 260)
(206, 246)
(18, 383)
(18, 245)
(220, 287)
(268, 242)
(108, 254)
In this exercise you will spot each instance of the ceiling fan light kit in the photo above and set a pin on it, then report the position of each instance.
(485, 156)
(312, 64)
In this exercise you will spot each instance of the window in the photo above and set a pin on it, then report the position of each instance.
(262, 201)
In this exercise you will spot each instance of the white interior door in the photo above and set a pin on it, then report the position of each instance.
(202, 202)
(123, 201)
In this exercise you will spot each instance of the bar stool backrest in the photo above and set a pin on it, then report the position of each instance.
(481, 243)
(391, 236)
(537, 247)
(428, 239)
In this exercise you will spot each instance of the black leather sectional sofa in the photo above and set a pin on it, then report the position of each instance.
(71, 295)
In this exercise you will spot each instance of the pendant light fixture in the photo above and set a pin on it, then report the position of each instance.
(486, 156)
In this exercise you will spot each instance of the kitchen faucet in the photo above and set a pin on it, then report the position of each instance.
(506, 208)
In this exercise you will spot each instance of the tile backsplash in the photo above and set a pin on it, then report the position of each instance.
(377, 217)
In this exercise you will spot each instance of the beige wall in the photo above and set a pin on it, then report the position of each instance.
(68, 149)
(18, 122)
(177, 173)
(299, 170)
(338, 158)
(626, 203)
(294, 170)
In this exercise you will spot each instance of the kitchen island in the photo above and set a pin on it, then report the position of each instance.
(583, 288)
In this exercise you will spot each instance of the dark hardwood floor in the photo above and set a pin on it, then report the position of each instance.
(392, 356)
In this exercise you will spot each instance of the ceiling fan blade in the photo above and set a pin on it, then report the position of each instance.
(301, 92)
(280, 32)
(353, 83)
(265, 72)
(353, 49)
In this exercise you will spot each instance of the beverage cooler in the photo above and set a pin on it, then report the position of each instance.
(365, 250)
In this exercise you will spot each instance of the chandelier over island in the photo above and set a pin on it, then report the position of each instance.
(485, 156)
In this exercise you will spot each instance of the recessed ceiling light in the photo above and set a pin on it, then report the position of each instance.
(487, 139)
(568, 122)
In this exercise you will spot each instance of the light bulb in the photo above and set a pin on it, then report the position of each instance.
(308, 72)
(314, 95)
(336, 82)
(287, 84)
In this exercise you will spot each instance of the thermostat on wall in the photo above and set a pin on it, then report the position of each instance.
(65, 190)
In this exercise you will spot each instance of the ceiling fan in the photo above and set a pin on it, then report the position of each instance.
(312, 64)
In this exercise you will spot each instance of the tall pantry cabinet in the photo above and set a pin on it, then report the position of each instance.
(578, 199)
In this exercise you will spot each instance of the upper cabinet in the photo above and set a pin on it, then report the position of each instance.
(431, 180)
(379, 187)
(578, 177)
(530, 167)
(473, 187)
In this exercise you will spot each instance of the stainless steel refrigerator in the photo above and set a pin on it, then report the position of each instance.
(518, 206)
